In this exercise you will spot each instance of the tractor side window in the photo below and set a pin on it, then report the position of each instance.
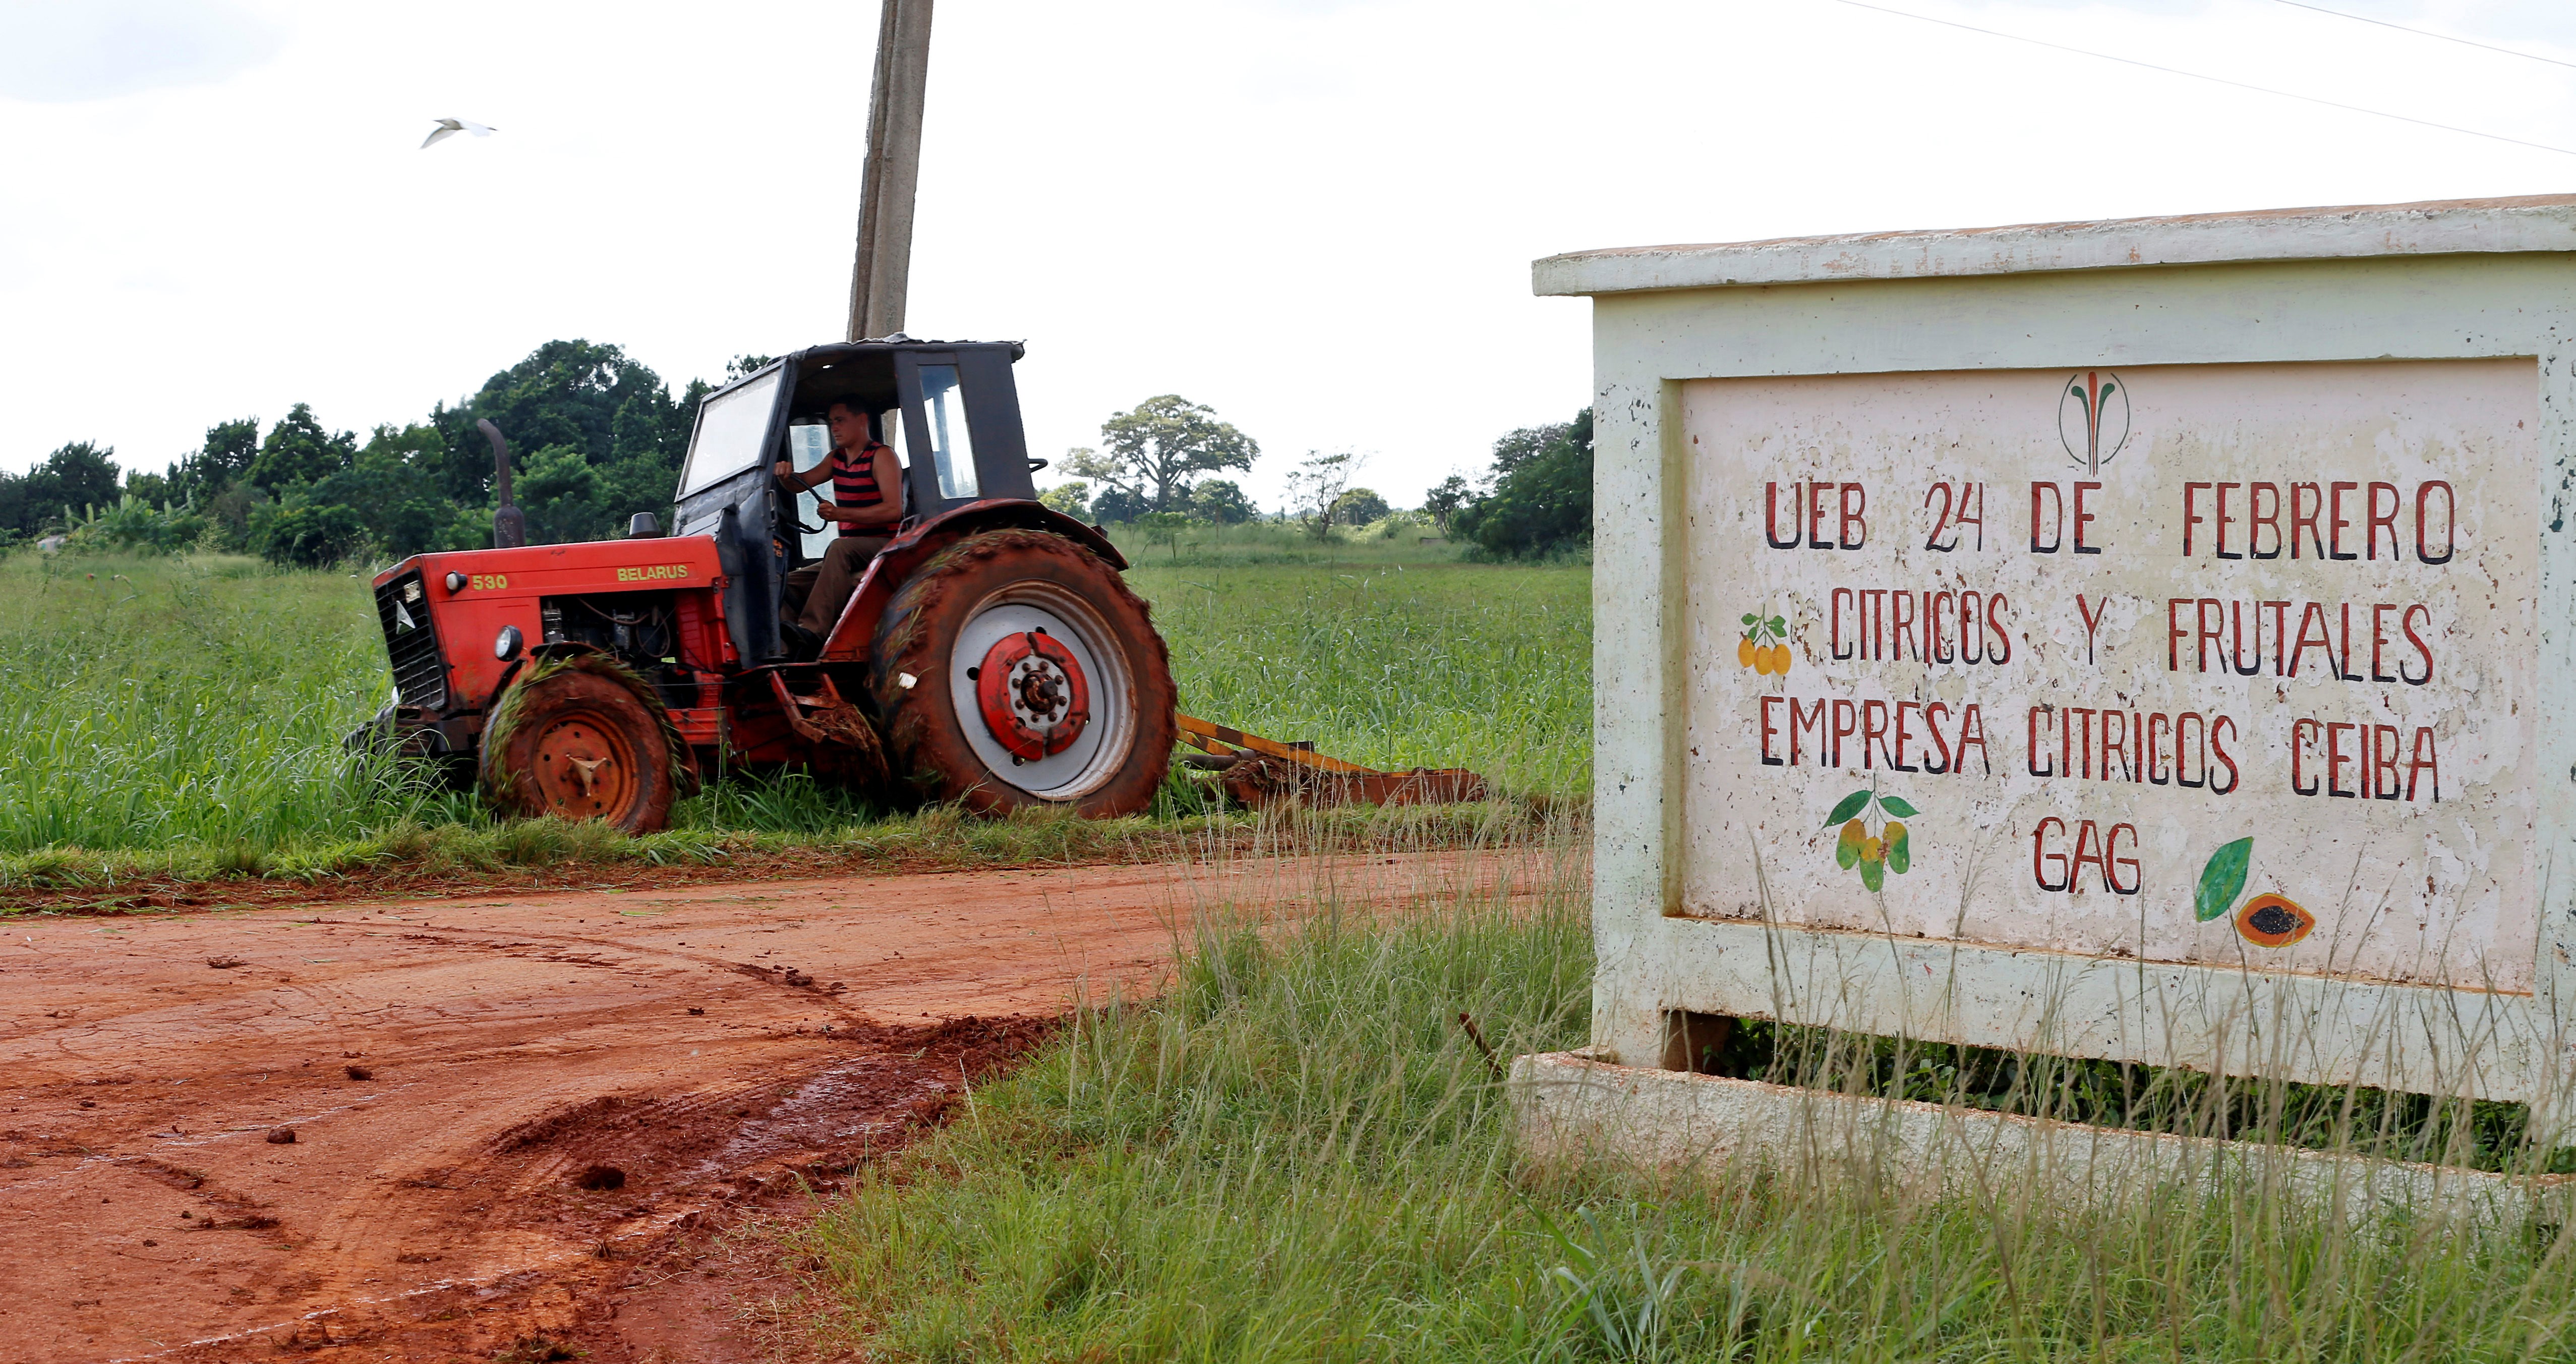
(733, 431)
(808, 443)
(952, 446)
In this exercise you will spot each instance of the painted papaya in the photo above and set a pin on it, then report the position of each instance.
(2274, 921)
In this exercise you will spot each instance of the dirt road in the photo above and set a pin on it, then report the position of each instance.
(501, 1106)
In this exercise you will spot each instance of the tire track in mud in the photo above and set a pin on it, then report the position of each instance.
(503, 1107)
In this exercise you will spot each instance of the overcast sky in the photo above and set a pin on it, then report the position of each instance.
(1315, 215)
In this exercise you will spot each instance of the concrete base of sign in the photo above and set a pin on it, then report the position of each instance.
(1572, 1107)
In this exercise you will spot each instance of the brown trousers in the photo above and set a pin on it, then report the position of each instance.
(835, 578)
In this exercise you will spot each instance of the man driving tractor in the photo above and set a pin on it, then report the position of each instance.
(867, 502)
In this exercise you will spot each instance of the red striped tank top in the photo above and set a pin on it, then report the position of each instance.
(854, 483)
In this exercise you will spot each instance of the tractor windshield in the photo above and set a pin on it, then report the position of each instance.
(733, 429)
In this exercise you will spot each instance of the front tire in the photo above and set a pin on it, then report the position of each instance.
(573, 739)
(1015, 671)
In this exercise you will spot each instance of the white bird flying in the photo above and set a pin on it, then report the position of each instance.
(450, 127)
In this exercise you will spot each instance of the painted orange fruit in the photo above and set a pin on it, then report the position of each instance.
(1873, 850)
(1780, 659)
(1744, 652)
(2273, 921)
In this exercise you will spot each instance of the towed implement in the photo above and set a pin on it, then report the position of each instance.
(990, 653)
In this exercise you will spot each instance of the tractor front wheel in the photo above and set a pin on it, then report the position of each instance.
(1015, 670)
(578, 743)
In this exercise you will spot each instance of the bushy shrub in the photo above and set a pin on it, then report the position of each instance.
(136, 526)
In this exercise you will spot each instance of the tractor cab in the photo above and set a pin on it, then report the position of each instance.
(949, 410)
(989, 654)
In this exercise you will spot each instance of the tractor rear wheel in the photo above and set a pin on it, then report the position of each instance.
(578, 743)
(1015, 670)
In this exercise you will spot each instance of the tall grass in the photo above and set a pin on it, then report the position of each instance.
(156, 702)
(172, 704)
(1297, 1155)
(1392, 664)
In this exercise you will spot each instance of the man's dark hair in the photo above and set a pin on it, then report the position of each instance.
(857, 408)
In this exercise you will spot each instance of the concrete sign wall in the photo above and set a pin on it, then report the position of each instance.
(2004, 644)
(2066, 639)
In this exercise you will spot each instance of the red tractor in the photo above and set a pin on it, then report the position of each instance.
(991, 654)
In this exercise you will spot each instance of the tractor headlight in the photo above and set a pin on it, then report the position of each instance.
(455, 582)
(505, 645)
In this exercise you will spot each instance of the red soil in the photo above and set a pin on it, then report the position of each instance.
(527, 1118)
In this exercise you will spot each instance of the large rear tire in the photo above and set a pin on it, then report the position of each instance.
(1015, 670)
(575, 740)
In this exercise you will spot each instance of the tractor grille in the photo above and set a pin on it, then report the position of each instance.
(411, 641)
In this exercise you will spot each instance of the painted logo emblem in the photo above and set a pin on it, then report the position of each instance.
(2093, 417)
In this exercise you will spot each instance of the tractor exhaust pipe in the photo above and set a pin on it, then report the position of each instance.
(509, 528)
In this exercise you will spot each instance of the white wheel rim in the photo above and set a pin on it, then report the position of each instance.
(1101, 750)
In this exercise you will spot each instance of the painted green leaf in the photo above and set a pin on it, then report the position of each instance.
(1898, 856)
(1873, 875)
(1898, 806)
(1748, 618)
(2222, 879)
(1780, 623)
(1850, 806)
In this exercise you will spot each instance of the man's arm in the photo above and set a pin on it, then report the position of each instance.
(788, 477)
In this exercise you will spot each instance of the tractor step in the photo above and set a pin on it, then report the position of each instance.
(827, 719)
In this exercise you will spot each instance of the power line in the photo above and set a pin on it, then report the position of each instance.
(2214, 80)
(2428, 33)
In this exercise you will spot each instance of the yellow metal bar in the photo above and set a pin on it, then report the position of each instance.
(1191, 724)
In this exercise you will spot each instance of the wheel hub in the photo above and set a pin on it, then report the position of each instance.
(1032, 694)
(582, 770)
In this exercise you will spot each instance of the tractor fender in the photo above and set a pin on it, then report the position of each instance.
(914, 547)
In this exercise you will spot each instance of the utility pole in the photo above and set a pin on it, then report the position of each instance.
(884, 266)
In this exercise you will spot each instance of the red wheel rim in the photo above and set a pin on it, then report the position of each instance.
(584, 769)
(1032, 695)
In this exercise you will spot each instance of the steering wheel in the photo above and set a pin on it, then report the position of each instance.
(787, 506)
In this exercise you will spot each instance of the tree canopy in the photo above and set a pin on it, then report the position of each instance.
(1541, 496)
(1157, 449)
(595, 437)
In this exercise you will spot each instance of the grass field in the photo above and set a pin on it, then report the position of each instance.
(1297, 1156)
(194, 708)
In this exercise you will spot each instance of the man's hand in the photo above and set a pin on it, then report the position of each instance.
(785, 470)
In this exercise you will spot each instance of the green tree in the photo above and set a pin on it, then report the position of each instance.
(1118, 506)
(296, 530)
(76, 477)
(560, 493)
(1221, 502)
(1156, 449)
(617, 413)
(1315, 488)
(397, 501)
(1442, 504)
(298, 450)
(1073, 498)
(1360, 506)
(216, 465)
(1542, 497)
